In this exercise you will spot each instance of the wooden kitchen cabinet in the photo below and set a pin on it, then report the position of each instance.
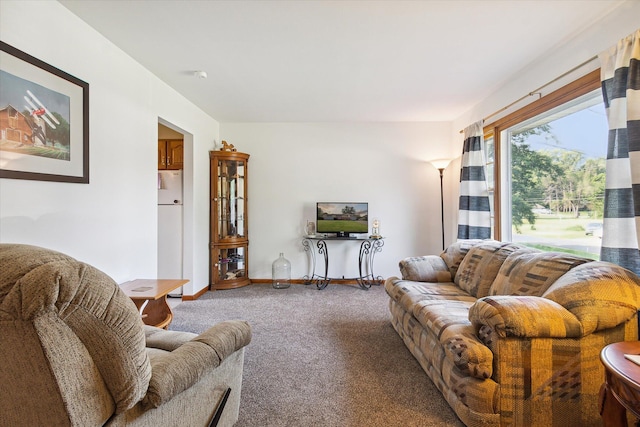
(170, 154)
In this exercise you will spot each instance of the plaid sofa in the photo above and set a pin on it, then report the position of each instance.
(511, 335)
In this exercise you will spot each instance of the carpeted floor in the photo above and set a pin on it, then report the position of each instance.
(321, 358)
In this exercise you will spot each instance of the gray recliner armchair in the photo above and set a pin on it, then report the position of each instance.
(74, 352)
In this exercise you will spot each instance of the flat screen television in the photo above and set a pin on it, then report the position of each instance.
(342, 218)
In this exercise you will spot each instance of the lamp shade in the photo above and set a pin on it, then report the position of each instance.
(440, 163)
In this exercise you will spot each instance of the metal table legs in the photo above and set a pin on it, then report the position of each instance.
(368, 249)
(321, 282)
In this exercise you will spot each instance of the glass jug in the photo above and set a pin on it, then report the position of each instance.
(281, 272)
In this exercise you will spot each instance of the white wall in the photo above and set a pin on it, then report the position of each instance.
(294, 165)
(568, 54)
(110, 222)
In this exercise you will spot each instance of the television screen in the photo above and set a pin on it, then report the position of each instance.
(342, 218)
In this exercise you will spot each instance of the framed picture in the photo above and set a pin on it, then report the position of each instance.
(44, 120)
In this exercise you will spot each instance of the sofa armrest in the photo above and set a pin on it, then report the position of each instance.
(165, 340)
(179, 369)
(524, 317)
(429, 268)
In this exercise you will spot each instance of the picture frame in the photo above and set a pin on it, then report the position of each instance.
(44, 120)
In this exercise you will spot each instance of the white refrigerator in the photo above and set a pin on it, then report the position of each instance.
(170, 226)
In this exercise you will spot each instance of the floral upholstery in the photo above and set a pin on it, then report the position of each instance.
(513, 335)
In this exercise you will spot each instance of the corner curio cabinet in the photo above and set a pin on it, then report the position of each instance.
(229, 243)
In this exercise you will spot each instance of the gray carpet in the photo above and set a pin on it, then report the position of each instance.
(321, 358)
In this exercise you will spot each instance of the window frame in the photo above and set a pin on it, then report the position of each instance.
(581, 86)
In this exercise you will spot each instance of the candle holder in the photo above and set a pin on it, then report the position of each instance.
(310, 229)
(375, 229)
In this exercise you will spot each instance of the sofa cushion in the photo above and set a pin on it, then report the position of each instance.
(428, 268)
(408, 293)
(18, 260)
(524, 317)
(480, 266)
(455, 253)
(531, 273)
(600, 294)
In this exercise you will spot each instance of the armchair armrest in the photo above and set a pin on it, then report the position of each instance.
(165, 340)
(183, 367)
(525, 317)
(429, 268)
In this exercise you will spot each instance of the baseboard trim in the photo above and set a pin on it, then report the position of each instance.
(305, 282)
(196, 296)
(265, 281)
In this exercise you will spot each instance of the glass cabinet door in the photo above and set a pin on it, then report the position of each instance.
(230, 264)
(229, 244)
(231, 199)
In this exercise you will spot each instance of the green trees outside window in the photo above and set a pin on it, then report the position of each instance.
(556, 165)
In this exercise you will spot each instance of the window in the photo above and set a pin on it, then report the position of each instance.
(548, 167)
(489, 149)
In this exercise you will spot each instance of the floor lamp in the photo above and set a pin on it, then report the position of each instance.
(441, 165)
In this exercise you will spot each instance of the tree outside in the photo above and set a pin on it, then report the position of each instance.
(558, 183)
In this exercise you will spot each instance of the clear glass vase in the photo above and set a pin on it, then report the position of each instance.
(281, 272)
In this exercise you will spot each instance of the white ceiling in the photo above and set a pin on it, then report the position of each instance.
(309, 61)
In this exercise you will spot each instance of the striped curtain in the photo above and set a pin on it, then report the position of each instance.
(620, 73)
(474, 216)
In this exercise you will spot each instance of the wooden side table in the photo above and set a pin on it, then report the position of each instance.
(621, 390)
(150, 296)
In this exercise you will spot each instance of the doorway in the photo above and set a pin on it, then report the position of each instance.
(171, 205)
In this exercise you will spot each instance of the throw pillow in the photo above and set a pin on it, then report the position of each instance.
(531, 273)
(479, 268)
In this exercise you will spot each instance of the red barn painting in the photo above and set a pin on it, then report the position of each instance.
(15, 128)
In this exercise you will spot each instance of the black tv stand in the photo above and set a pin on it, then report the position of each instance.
(346, 235)
(369, 246)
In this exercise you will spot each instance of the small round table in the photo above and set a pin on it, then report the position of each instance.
(621, 389)
(150, 297)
